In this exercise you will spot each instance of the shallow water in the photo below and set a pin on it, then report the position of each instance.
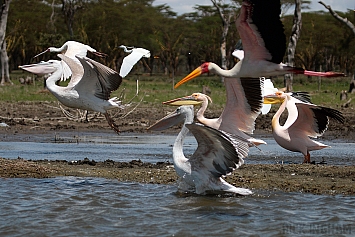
(72, 206)
(154, 148)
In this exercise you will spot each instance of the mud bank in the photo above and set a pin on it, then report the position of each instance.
(307, 178)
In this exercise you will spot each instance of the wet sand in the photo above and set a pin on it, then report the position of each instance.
(307, 178)
(28, 118)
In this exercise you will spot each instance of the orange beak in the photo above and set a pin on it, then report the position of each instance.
(195, 73)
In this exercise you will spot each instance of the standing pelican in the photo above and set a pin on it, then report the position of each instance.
(135, 54)
(304, 120)
(89, 88)
(72, 49)
(232, 112)
(217, 154)
(264, 45)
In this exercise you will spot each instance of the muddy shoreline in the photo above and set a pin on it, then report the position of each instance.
(305, 178)
(27, 120)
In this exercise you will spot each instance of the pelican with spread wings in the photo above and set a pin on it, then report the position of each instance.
(304, 120)
(217, 154)
(89, 88)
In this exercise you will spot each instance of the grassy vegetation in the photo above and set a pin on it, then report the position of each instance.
(160, 88)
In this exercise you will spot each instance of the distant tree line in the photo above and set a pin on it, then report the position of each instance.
(178, 43)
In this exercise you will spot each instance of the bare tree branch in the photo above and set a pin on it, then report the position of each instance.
(226, 19)
(339, 18)
(291, 49)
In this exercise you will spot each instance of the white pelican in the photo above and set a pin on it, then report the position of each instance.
(231, 119)
(135, 54)
(304, 120)
(89, 88)
(217, 154)
(72, 49)
(264, 45)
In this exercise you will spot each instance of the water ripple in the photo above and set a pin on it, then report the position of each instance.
(72, 206)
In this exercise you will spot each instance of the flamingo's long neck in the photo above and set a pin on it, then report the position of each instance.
(180, 161)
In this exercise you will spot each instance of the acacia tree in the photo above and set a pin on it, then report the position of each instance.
(69, 8)
(170, 50)
(5, 75)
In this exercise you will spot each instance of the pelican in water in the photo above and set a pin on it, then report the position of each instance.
(72, 49)
(232, 119)
(304, 120)
(217, 154)
(89, 88)
(264, 45)
(135, 54)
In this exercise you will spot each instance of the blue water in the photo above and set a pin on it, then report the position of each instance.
(72, 206)
(154, 148)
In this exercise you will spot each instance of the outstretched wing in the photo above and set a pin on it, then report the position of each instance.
(217, 153)
(130, 60)
(108, 79)
(244, 101)
(313, 120)
(92, 77)
(76, 70)
(261, 30)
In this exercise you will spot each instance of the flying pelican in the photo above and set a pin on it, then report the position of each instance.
(217, 154)
(89, 88)
(129, 61)
(264, 45)
(268, 85)
(304, 120)
(72, 49)
(232, 113)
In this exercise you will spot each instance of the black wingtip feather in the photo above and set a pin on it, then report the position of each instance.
(302, 96)
(266, 16)
(253, 92)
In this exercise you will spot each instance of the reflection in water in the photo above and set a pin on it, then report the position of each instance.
(72, 206)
